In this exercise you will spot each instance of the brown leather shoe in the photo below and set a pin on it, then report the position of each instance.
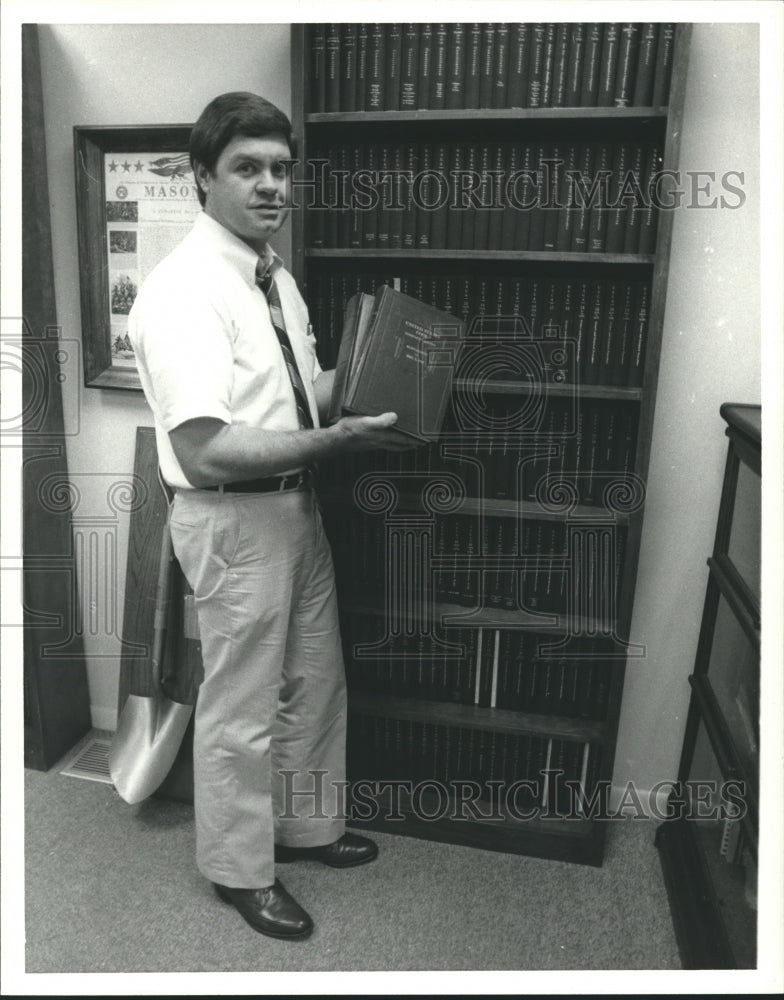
(347, 852)
(270, 911)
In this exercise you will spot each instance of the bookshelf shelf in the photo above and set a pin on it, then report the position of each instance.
(566, 389)
(496, 720)
(486, 114)
(589, 276)
(518, 509)
(546, 623)
(636, 260)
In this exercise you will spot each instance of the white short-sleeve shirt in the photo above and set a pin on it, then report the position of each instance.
(205, 345)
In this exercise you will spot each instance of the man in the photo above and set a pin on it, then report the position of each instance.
(228, 365)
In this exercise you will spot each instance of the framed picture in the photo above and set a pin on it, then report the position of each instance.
(135, 200)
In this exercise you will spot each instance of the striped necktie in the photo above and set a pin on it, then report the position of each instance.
(267, 284)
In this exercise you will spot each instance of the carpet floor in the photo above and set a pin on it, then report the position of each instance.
(114, 888)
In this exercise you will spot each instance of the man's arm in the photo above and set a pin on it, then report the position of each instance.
(211, 452)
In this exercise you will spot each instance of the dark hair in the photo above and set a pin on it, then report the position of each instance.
(230, 115)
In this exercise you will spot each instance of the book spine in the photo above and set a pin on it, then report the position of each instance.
(536, 214)
(582, 212)
(610, 333)
(331, 198)
(384, 218)
(374, 99)
(411, 166)
(553, 173)
(616, 221)
(592, 352)
(620, 362)
(518, 65)
(609, 65)
(332, 102)
(318, 84)
(369, 219)
(548, 63)
(561, 66)
(511, 211)
(592, 452)
(568, 321)
(639, 335)
(634, 212)
(409, 67)
(563, 238)
(646, 65)
(423, 213)
(440, 214)
(425, 69)
(535, 65)
(487, 73)
(468, 221)
(355, 211)
(456, 213)
(398, 208)
(582, 320)
(343, 212)
(393, 42)
(473, 65)
(597, 230)
(482, 218)
(627, 64)
(663, 70)
(438, 73)
(592, 61)
(316, 217)
(649, 221)
(348, 67)
(496, 211)
(363, 45)
(574, 73)
(500, 66)
(469, 588)
(455, 66)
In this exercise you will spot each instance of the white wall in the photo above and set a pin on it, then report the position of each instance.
(710, 355)
(131, 75)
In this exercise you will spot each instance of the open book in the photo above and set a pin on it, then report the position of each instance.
(396, 354)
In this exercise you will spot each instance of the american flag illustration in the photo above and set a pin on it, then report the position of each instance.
(176, 165)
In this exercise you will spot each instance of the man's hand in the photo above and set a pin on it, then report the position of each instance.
(372, 433)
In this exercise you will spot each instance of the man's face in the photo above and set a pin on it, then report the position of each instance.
(247, 192)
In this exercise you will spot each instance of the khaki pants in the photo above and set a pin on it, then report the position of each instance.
(273, 696)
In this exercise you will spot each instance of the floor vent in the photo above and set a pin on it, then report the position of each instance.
(90, 761)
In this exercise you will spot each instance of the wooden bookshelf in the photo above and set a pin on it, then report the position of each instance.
(710, 860)
(330, 268)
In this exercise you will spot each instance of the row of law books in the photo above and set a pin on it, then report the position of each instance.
(559, 455)
(493, 563)
(544, 196)
(461, 66)
(504, 564)
(573, 331)
(382, 748)
(490, 668)
(587, 447)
